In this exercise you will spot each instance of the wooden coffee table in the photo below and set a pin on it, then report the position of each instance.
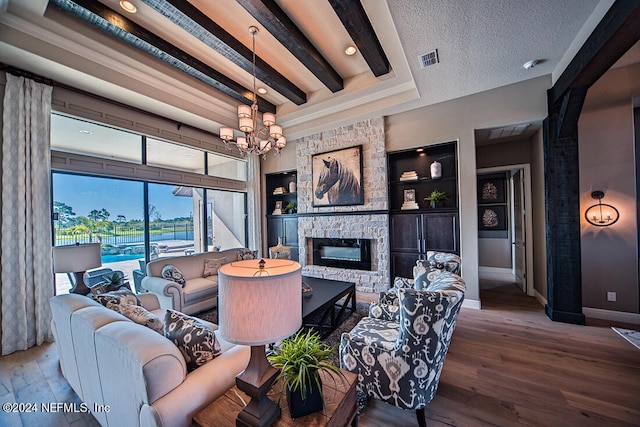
(339, 397)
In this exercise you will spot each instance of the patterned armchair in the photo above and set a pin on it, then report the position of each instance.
(443, 261)
(398, 354)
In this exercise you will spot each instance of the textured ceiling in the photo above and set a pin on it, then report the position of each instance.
(481, 45)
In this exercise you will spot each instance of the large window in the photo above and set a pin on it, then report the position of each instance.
(172, 229)
(226, 221)
(100, 210)
(173, 219)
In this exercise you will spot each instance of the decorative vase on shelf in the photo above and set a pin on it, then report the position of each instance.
(292, 187)
(436, 170)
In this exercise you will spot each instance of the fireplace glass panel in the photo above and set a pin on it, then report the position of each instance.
(352, 254)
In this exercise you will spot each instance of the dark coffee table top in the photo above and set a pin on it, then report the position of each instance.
(325, 292)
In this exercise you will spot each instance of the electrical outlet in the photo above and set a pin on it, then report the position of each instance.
(611, 296)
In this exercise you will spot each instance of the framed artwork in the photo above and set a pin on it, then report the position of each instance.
(279, 205)
(492, 189)
(337, 177)
(410, 195)
(492, 217)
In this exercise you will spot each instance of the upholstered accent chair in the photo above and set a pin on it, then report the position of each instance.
(398, 350)
(443, 261)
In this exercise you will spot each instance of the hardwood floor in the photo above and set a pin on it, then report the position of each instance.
(507, 365)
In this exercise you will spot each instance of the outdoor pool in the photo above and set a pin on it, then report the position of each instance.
(115, 258)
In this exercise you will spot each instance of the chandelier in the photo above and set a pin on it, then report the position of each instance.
(257, 139)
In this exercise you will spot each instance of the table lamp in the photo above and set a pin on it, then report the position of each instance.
(260, 303)
(77, 259)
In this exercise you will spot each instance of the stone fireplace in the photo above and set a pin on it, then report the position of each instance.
(368, 221)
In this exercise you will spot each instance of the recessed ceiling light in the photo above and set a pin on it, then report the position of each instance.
(86, 132)
(350, 50)
(128, 6)
(262, 90)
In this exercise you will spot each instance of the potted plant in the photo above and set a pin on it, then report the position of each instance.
(300, 359)
(435, 197)
(291, 207)
(112, 282)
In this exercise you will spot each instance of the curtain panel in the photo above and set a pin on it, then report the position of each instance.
(27, 274)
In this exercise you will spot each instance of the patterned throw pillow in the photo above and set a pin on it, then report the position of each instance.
(195, 340)
(245, 254)
(141, 316)
(171, 272)
(211, 266)
(114, 298)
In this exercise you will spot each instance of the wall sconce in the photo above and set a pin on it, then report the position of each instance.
(601, 214)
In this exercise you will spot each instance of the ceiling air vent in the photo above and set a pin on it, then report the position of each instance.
(429, 58)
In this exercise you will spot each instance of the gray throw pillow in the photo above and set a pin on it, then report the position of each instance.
(142, 316)
(212, 265)
(171, 272)
(195, 340)
(114, 298)
(246, 254)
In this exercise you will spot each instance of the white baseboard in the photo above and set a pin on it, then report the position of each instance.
(471, 303)
(542, 300)
(618, 316)
(495, 271)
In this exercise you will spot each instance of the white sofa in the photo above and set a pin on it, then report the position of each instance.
(199, 293)
(109, 360)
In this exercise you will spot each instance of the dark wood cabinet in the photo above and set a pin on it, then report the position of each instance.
(286, 224)
(413, 232)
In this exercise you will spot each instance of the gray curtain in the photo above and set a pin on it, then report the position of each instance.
(254, 215)
(27, 273)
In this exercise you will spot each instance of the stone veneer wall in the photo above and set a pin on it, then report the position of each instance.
(369, 224)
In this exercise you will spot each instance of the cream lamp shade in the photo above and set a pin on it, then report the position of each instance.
(77, 259)
(259, 306)
(260, 303)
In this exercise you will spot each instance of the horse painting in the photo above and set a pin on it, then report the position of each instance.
(338, 181)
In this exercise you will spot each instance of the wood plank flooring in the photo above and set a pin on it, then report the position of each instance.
(508, 365)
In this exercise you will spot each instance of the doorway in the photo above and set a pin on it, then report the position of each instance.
(504, 239)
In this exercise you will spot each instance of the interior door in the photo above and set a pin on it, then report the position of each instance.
(519, 234)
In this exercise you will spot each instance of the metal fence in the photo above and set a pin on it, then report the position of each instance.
(122, 235)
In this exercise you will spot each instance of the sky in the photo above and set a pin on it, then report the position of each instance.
(118, 197)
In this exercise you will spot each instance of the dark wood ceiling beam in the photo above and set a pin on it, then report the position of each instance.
(355, 20)
(278, 23)
(236, 52)
(123, 29)
(616, 33)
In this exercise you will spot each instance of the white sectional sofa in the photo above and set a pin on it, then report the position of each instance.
(199, 293)
(138, 373)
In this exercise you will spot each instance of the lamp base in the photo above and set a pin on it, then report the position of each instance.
(80, 287)
(256, 380)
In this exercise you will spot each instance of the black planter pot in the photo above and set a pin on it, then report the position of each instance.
(299, 407)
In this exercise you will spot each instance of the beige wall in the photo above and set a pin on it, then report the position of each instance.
(539, 220)
(607, 163)
(457, 120)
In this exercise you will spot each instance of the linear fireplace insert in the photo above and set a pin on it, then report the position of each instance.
(354, 254)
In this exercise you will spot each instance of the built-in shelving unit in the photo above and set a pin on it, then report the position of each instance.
(413, 232)
(284, 225)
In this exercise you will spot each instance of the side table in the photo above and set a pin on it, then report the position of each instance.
(339, 398)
